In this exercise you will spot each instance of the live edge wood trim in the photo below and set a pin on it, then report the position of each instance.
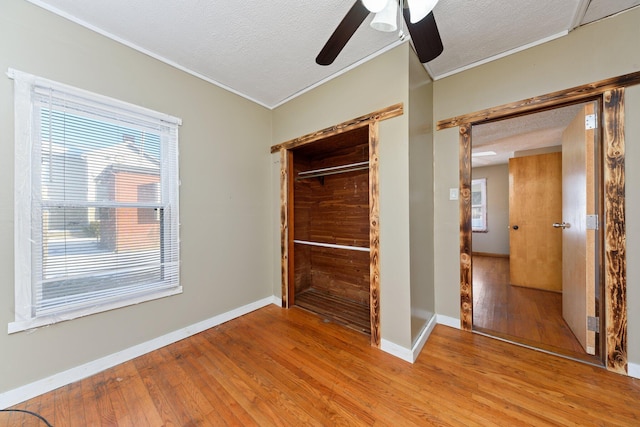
(374, 235)
(466, 278)
(610, 93)
(383, 114)
(286, 206)
(554, 99)
(615, 230)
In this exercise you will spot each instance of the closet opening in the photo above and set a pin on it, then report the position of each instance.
(330, 221)
(329, 228)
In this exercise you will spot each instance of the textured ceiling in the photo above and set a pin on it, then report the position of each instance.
(473, 31)
(265, 50)
(524, 133)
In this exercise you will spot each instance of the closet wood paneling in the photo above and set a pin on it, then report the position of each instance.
(357, 138)
(332, 209)
(339, 211)
(302, 271)
(303, 201)
(341, 272)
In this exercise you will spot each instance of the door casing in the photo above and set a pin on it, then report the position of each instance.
(610, 94)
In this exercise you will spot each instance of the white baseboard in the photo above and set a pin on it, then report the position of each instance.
(452, 322)
(409, 355)
(633, 370)
(396, 350)
(276, 301)
(29, 391)
(422, 339)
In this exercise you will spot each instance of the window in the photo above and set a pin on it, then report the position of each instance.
(479, 204)
(96, 203)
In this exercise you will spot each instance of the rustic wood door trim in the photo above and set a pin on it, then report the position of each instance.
(573, 95)
(610, 93)
(374, 235)
(466, 278)
(615, 261)
(377, 116)
(286, 206)
(286, 235)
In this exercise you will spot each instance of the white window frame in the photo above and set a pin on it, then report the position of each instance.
(482, 182)
(26, 230)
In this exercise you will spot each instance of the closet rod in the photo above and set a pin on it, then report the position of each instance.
(330, 245)
(333, 170)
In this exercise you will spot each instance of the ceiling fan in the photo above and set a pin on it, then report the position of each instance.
(418, 17)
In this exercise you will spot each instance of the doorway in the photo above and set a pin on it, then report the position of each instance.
(534, 181)
(610, 95)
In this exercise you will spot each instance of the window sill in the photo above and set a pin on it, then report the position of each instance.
(24, 325)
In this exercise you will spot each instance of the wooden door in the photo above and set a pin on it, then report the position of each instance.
(578, 242)
(535, 203)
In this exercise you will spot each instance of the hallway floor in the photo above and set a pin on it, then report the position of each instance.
(527, 316)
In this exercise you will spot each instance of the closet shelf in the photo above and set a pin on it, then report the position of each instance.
(333, 170)
(331, 245)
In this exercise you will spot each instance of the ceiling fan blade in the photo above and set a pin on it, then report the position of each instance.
(349, 24)
(425, 36)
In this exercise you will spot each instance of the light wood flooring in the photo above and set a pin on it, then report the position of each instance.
(527, 316)
(290, 368)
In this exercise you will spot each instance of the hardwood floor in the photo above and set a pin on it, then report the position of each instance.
(528, 316)
(290, 368)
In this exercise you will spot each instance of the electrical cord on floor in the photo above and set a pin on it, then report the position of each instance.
(30, 413)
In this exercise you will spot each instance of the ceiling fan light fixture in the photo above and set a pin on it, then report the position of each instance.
(386, 19)
(375, 6)
(418, 9)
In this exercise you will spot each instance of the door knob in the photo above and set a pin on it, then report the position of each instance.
(515, 227)
(562, 225)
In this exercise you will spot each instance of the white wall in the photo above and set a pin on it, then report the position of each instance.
(496, 239)
(225, 199)
(421, 196)
(605, 49)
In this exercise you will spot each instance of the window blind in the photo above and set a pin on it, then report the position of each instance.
(103, 200)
